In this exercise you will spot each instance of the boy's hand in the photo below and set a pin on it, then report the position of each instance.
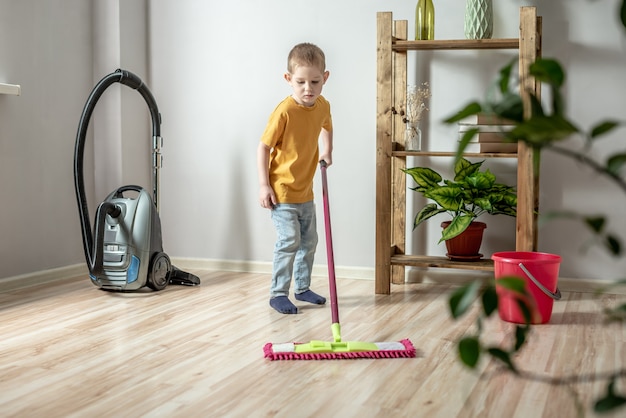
(267, 198)
(328, 159)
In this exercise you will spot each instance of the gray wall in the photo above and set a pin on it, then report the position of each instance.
(216, 72)
(57, 50)
(45, 46)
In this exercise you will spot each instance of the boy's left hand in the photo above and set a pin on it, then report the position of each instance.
(328, 159)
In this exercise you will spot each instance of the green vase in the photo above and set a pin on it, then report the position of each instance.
(478, 19)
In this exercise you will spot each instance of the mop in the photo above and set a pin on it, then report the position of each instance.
(337, 349)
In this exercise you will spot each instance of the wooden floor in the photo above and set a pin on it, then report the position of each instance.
(70, 350)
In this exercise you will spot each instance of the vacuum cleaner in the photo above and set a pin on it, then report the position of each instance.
(124, 252)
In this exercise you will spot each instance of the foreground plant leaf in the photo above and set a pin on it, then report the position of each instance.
(462, 298)
(520, 336)
(469, 110)
(603, 128)
(610, 401)
(504, 357)
(516, 284)
(469, 351)
(490, 300)
(613, 244)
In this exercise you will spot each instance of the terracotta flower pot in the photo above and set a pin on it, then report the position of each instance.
(466, 246)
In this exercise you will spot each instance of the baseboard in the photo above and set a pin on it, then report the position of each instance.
(414, 275)
(364, 273)
(265, 267)
(39, 277)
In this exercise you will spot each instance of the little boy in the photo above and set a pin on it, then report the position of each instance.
(287, 158)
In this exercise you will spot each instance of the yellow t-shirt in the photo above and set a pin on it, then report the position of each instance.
(292, 134)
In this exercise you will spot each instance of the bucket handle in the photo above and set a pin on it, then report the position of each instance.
(556, 295)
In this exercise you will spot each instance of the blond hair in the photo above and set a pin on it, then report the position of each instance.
(306, 54)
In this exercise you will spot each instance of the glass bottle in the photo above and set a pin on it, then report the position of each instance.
(413, 137)
(424, 20)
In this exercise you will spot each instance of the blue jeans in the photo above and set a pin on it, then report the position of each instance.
(294, 250)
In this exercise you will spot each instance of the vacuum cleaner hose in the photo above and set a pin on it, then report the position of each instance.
(93, 247)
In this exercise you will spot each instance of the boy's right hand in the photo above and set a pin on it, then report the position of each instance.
(267, 198)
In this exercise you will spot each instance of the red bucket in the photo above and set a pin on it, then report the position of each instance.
(541, 272)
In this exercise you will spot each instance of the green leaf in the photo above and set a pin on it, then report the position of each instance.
(448, 197)
(615, 163)
(621, 308)
(510, 107)
(617, 314)
(505, 77)
(610, 401)
(522, 304)
(464, 168)
(470, 109)
(549, 71)
(465, 140)
(481, 180)
(603, 128)
(520, 336)
(462, 298)
(469, 351)
(613, 244)
(595, 223)
(622, 13)
(456, 227)
(542, 130)
(513, 283)
(558, 103)
(490, 300)
(484, 203)
(427, 212)
(510, 199)
(536, 106)
(424, 176)
(503, 356)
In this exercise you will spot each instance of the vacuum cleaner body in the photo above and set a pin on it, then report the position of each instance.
(132, 249)
(125, 250)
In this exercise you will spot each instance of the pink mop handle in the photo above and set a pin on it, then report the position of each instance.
(332, 285)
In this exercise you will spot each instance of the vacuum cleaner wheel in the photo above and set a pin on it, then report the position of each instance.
(159, 274)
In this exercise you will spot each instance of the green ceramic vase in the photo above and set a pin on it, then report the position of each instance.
(478, 19)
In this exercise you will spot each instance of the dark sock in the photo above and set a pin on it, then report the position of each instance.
(283, 305)
(311, 297)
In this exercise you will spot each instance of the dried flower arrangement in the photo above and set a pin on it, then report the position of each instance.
(416, 102)
(416, 97)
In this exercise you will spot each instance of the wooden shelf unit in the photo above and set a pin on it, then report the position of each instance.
(392, 47)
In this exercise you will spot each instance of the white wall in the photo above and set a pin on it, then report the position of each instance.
(216, 72)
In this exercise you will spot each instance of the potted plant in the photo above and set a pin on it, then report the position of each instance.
(470, 194)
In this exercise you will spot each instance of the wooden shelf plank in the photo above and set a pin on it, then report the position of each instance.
(441, 262)
(452, 154)
(462, 44)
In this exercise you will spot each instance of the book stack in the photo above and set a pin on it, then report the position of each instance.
(490, 136)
